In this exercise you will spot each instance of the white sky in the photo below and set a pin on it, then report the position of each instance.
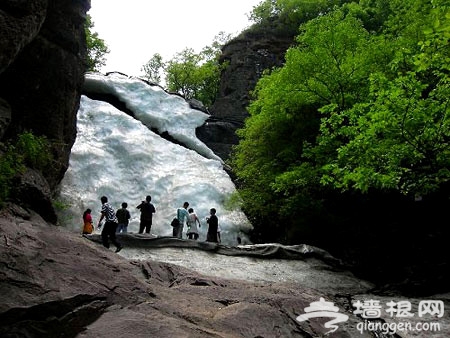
(134, 30)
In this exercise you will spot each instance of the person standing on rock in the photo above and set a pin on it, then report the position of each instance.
(213, 225)
(109, 228)
(182, 215)
(123, 218)
(88, 228)
(192, 220)
(147, 210)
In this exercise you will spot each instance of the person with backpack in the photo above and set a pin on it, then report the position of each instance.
(182, 216)
(175, 225)
(147, 210)
(123, 218)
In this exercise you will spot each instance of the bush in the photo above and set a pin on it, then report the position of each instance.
(28, 151)
(35, 151)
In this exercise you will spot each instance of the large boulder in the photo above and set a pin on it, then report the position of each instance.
(33, 191)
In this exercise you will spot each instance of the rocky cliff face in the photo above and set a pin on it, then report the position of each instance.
(248, 55)
(42, 65)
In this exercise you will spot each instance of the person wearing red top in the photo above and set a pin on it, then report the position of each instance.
(88, 227)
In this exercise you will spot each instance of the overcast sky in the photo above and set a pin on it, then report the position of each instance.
(134, 30)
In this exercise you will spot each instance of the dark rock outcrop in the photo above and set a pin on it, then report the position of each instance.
(42, 65)
(32, 189)
(20, 24)
(248, 55)
(5, 116)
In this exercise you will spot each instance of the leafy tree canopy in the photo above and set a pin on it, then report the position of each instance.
(193, 75)
(289, 14)
(97, 48)
(398, 136)
(361, 103)
(152, 69)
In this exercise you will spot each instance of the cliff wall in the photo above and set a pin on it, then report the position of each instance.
(248, 55)
(42, 65)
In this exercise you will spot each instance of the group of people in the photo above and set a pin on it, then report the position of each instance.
(117, 222)
(188, 216)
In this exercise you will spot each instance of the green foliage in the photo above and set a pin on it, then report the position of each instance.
(60, 205)
(182, 73)
(152, 69)
(34, 151)
(287, 15)
(265, 10)
(361, 104)
(28, 151)
(97, 48)
(193, 75)
(275, 174)
(10, 165)
(398, 138)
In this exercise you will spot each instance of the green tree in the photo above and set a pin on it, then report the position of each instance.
(153, 68)
(399, 137)
(265, 10)
(287, 15)
(360, 105)
(28, 151)
(197, 75)
(97, 48)
(181, 73)
(329, 66)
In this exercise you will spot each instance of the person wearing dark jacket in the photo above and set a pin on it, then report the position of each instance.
(147, 210)
(123, 218)
(213, 224)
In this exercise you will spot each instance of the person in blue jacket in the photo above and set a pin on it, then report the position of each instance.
(182, 215)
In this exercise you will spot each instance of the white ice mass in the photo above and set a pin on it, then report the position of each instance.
(118, 156)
